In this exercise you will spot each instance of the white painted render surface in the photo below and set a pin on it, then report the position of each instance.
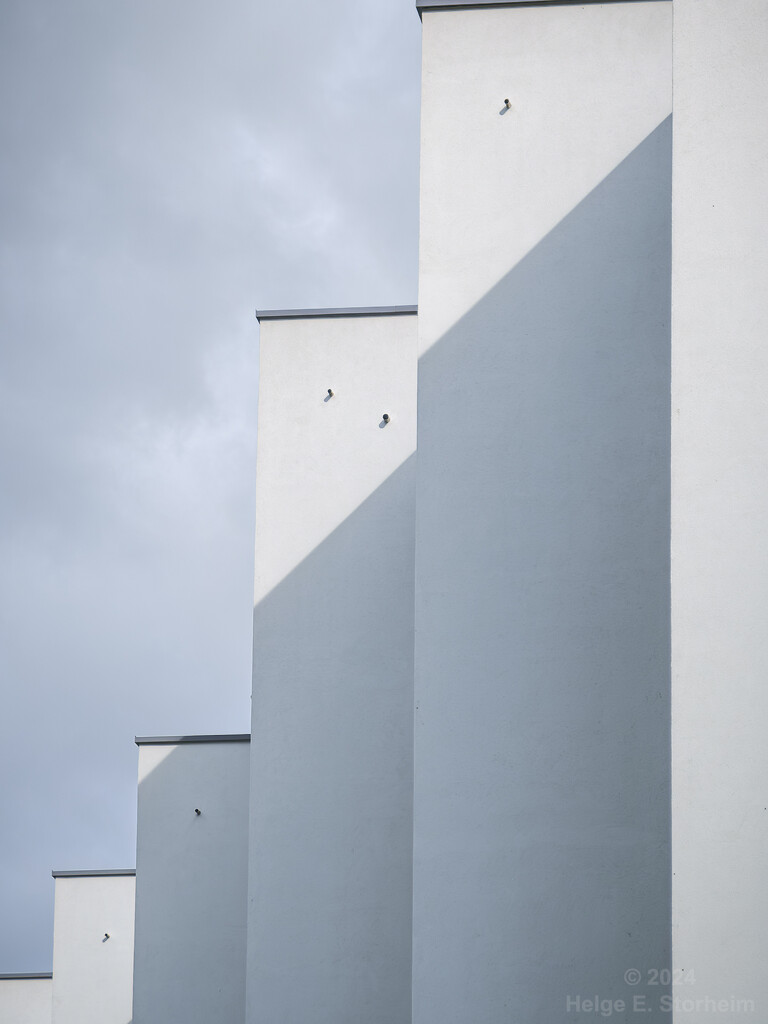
(541, 815)
(25, 1001)
(191, 893)
(493, 184)
(320, 458)
(720, 506)
(331, 792)
(92, 974)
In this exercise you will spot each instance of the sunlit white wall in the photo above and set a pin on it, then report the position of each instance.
(719, 502)
(25, 1000)
(93, 948)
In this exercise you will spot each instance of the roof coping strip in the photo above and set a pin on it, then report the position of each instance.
(25, 977)
(463, 5)
(232, 737)
(308, 314)
(99, 873)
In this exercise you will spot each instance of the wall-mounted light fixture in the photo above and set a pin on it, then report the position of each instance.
(385, 417)
(330, 393)
(507, 104)
(106, 936)
(198, 812)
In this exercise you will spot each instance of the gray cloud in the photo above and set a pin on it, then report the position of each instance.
(165, 168)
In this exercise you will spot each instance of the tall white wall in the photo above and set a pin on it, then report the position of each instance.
(92, 974)
(719, 503)
(331, 793)
(25, 1000)
(541, 817)
(191, 881)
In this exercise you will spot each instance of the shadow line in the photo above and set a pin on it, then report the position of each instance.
(542, 689)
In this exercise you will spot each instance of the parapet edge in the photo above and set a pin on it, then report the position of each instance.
(34, 976)
(307, 314)
(463, 5)
(233, 737)
(98, 873)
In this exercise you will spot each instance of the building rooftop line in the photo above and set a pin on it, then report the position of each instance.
(25, 977)
(463, 5)
(230, 737)
(306, 314)
(98, 873)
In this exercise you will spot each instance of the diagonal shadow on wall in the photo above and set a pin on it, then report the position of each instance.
(332, 775)
(541, 843)
(542, 749)
(191, 886)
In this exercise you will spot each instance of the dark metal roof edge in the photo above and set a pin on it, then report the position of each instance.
(232, 737)
(307, 314)
(25, 977)
(464, 5)
(99, 873)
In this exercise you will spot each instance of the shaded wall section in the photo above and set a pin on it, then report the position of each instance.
(329, 936)
(191, 872)
(541, 818)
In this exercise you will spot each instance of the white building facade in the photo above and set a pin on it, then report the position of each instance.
(719, 501)
(191, 875)
(329, 933)
(507, 758)
(542, 766)
(93, 919)
(25, 998)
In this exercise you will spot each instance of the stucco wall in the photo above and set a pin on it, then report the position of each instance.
(719, 503)
(331, 790)
(92, 974)
(191, 873)
(541, 819)
(25, 1000)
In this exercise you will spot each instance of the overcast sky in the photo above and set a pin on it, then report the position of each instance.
(166, 167)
